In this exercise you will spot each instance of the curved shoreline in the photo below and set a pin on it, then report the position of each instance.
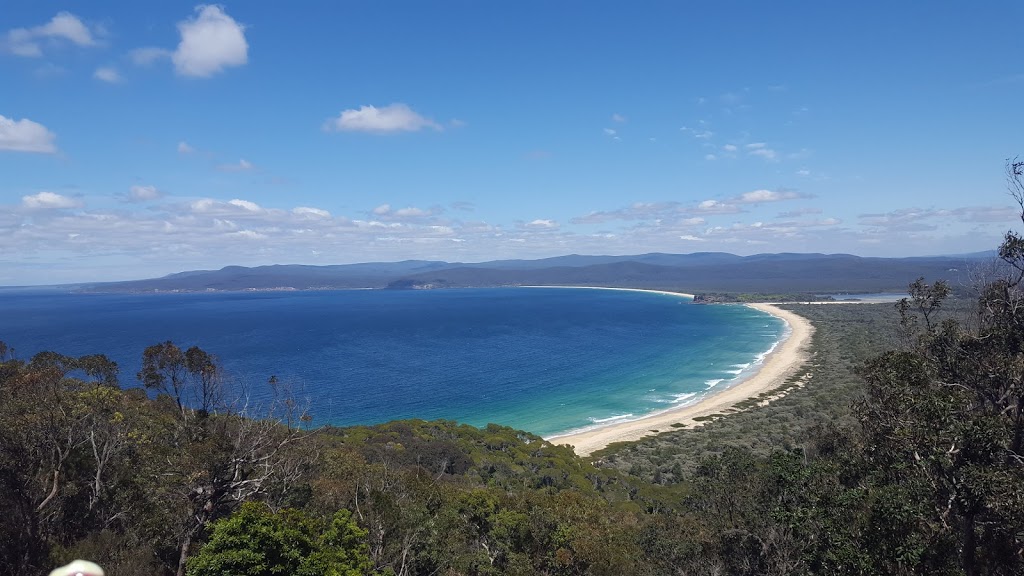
(789, 354)
(679, 294)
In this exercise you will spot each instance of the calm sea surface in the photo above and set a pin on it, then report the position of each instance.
(546, 360)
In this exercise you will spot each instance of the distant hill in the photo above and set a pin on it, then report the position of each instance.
(697, 272)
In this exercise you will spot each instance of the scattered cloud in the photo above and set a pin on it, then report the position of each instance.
(704, 135)
(799, 212)
(234, 207)
(108, 74)
(463, 206)
(394, 118)
(247, 234)
(761, 150)
(245, 205)
(716, 207)
(310, 212)
(729, 148)
(692, 238)
(184, 148)
(64, 27)
(618, 118)
(760, 196)
(26, 136)
(49, 201)
(987, 214)
(144, 193)
(916, 219)
(541, 225)
(804, 172)
(210, 42)
(148, 55)
(710, 157)
(242, 165)
(636, 211)
(409, 213)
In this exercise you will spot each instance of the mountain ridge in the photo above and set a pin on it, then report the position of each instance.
(695, 272)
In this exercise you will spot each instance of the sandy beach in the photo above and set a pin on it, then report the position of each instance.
(787, 357)
(683, 294)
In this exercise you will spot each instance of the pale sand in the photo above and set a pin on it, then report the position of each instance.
(683, 294)
(787, 357)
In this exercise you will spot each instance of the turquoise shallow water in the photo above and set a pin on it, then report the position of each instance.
(542, 359)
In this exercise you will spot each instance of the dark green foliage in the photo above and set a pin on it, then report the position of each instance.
(257, 542)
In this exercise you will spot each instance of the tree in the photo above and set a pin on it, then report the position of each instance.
(944, 425)
(257, 542)
(191, 378)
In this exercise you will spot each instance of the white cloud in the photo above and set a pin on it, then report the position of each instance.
(729, 148)
(704, 135)
(636, 211)
(247, 234)
(107, 74)
(241, 166)
(63, 26)
(66, 25)
(148, 55)
(184, 148)
(758, 196)
(25, 136)
(310, 212)
(234, 208)
(803, 172)
(245, 205)
(609, 132)
(144, 193)
(762, 150)
(49, 201)
(692, 238)
(540, 224)
(210, 42)
(619, 118)
(716, 207)
(397, 117)
(408, 214)
(710, 157)
(411, 212)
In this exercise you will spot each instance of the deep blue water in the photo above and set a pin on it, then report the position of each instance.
(545, 360)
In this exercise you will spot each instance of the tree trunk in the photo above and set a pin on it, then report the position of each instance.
(185, 545)
(969, 545)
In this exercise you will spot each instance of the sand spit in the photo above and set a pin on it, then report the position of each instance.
(785, 360)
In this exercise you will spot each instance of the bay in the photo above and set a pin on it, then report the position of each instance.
(545, 360)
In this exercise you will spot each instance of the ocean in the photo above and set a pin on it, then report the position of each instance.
(545, 360)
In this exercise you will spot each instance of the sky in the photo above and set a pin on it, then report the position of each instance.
(139, 139)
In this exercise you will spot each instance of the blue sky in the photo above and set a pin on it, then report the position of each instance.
(143, 138)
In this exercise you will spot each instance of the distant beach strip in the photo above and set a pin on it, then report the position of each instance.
(782, 361)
